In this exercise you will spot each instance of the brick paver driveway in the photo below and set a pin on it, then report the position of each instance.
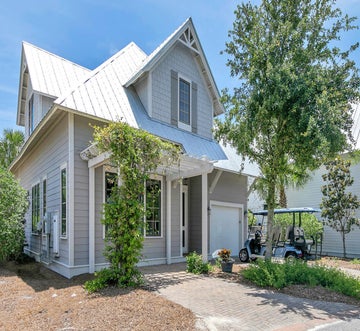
(224, 305)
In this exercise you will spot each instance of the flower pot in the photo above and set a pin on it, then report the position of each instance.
(226, 266)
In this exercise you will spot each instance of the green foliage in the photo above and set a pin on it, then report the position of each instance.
(292, 108)
(112, 277)
(13, 205)
(338, 205)
(309, 223)
(196, 265)
(10, 144)
(266, 273)
(135, 153)
(355, 261)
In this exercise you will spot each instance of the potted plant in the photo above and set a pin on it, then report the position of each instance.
(226, 261)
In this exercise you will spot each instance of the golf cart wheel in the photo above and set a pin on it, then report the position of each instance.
(243, 255)
(291, 257)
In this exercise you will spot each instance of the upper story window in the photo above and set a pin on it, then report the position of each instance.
(184, 102)
(31, 114)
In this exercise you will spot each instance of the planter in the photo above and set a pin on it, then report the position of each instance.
(226, 266)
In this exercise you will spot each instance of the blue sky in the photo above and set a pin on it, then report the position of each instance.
(88, 32)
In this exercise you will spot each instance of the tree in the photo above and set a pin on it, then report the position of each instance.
(338, 205)
(10, 144)
(135, 153)
(292, 108)
(13, 205)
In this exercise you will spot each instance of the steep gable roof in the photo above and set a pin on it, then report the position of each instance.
(101, 92)
(185, 34)
(48, 73)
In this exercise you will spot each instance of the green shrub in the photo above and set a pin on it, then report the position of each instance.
(196, 265)
(113, 277)
(13, 205)
(266, 273)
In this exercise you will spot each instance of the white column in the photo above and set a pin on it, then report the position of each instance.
(168, 221)
(91, 220)
(181, 217)
(204, 217)
(71, 194)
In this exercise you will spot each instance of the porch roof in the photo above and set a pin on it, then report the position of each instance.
(187, 166)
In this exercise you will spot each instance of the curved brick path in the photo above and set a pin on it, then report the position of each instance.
(224, 305)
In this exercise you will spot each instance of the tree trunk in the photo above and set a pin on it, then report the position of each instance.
(344, 243)
(282, 197)
(271, 205)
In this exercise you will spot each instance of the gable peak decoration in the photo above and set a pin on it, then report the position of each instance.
(188, 39)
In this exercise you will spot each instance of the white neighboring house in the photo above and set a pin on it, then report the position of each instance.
(310, 196)
(170, 93)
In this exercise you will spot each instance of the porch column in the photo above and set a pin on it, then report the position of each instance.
(91, 220)
(204, 216)
(168, 221)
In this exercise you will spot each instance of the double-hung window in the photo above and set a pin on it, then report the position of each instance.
(184, 104)
(153, 208)
(35, 207)
(111, 181)
(63, 202)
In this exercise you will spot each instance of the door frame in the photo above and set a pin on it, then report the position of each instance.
(184, 219)
(240, 206)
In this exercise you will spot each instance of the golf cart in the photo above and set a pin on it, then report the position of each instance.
(293, 246)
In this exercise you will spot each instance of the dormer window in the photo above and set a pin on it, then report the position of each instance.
(184, 104)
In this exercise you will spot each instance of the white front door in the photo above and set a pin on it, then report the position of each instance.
(225, 227)
(184, 220)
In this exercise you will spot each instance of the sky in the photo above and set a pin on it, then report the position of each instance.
(88, 32)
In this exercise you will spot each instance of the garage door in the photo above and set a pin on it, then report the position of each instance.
(225, 228)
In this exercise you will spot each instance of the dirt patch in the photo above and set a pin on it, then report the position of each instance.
(35, 298)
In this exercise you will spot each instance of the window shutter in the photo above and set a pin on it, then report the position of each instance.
(194, 107)
(174, 97)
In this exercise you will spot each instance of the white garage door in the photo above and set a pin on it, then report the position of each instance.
(225, 228)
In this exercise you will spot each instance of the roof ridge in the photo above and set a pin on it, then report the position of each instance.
(54, 55)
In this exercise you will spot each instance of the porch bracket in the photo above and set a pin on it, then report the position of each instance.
(215, 181)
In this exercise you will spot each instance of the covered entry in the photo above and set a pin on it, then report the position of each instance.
(226, 226)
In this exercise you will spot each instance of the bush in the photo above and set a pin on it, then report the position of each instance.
(196, 265)
(266, 273)
(113, 277)
(13, 205)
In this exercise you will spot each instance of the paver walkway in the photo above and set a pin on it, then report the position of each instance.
(224, 305)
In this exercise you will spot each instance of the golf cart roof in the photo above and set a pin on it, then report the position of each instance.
(289, 211)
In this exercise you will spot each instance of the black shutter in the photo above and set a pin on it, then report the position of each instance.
(194, 112)
(174, 97)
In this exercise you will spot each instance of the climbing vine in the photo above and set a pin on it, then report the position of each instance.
(136, 154)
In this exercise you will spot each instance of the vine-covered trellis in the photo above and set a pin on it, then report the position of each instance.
(136, 154)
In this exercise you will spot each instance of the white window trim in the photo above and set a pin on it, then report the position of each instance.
(31, 215)
(62, 167)
(161, 179)
(44, 178)
(182, 125)
(104, 170)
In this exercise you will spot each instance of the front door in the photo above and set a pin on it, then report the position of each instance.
(184, 219)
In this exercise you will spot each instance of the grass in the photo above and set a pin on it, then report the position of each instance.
(269, 274)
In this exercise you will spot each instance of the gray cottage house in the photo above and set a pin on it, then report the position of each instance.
(201, 203)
